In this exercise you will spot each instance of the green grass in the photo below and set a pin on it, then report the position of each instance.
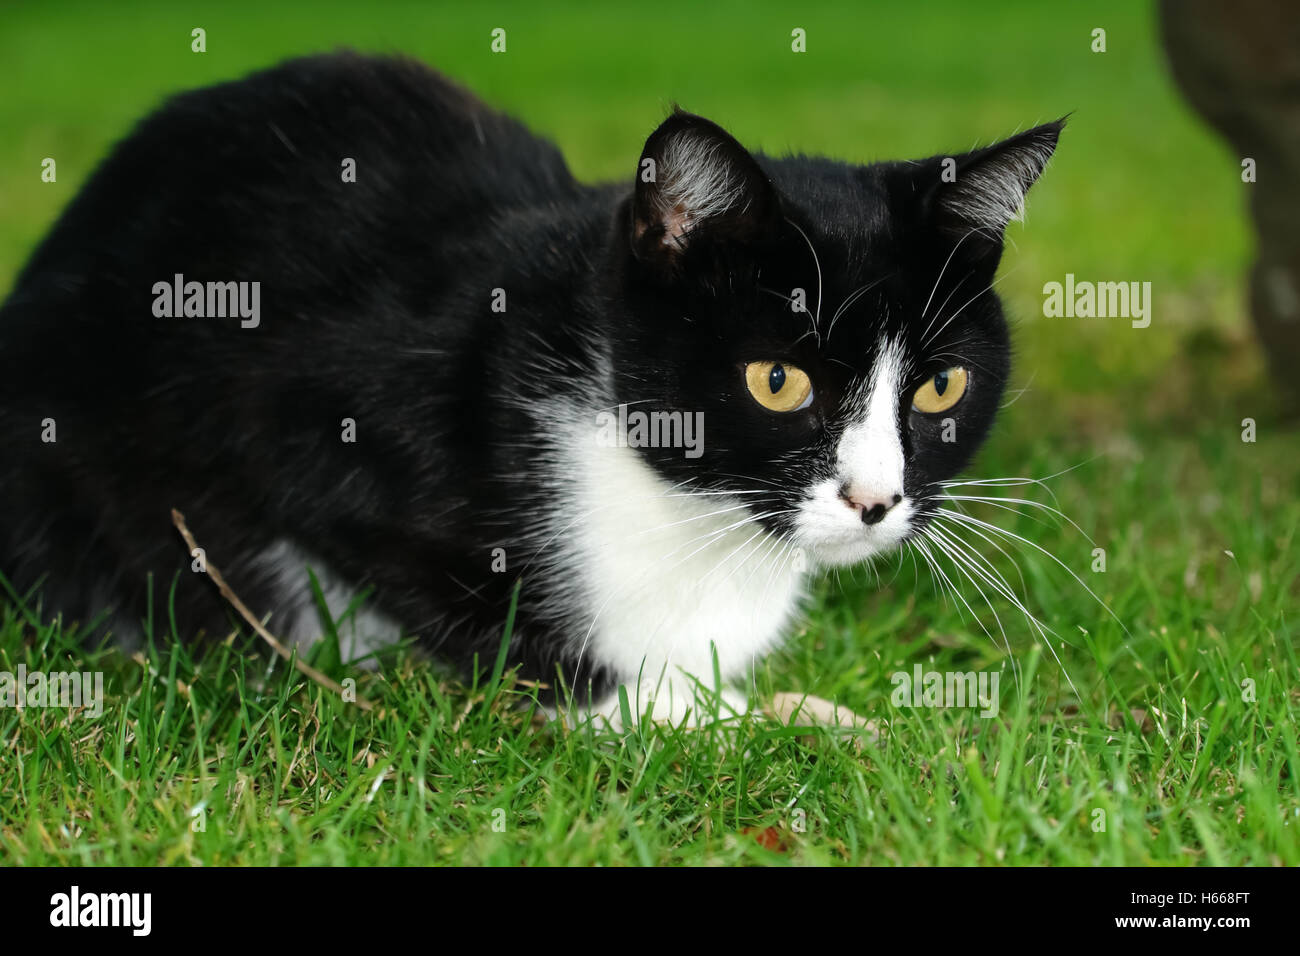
(1199, 528)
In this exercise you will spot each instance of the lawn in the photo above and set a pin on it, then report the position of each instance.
(1153, 720)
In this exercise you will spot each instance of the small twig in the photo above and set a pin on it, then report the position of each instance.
(178, 519)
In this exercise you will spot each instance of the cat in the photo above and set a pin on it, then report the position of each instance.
(346, 317)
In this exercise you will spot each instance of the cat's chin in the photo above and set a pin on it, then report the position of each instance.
(845, 553)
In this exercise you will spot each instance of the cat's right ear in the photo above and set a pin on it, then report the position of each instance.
(697, 185)
(980, 192)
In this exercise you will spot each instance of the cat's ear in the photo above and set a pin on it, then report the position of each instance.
(696, 184)
(978, 193)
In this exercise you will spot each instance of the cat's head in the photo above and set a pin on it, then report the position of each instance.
(833, 326)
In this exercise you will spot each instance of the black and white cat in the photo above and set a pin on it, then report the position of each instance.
(343, 315)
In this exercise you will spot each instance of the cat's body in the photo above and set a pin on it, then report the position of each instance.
(467, 313)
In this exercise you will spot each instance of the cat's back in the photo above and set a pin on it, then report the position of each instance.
(341, 160)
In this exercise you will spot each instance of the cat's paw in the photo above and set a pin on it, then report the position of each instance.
(805, 710)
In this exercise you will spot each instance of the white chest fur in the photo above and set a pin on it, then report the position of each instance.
(668, 575)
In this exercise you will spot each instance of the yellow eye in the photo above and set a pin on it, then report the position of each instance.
(942, 392)
(779, 387)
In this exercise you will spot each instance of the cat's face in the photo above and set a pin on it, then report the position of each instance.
(832, 329)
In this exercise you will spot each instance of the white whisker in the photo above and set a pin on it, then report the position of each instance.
(1010, 535)
(817, 262)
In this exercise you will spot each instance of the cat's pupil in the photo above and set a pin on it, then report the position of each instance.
(941, 382)
(776, 379)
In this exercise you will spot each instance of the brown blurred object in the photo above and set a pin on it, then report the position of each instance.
(1239, 65)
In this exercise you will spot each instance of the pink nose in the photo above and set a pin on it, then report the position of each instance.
(873, 506)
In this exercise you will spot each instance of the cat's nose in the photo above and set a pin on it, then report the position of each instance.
(873, 507)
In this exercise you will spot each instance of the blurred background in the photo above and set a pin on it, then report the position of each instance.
(1141, 189)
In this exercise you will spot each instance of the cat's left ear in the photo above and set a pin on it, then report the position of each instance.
(695, 185)
(978, 193)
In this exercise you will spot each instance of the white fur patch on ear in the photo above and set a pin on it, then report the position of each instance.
(991, 193)
(696, 183)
